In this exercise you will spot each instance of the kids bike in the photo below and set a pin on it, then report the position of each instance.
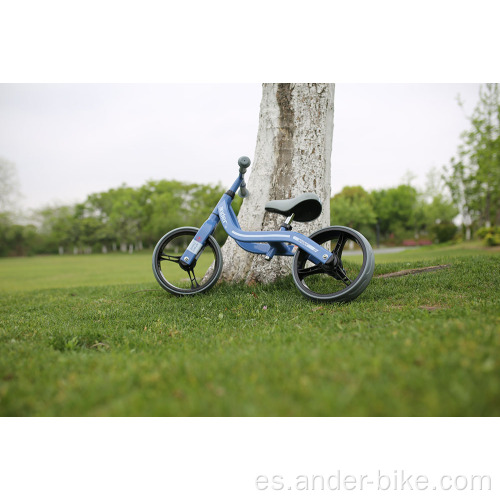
(334, 264)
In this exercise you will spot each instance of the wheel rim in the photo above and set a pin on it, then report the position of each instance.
(178, 277)
(339, 278)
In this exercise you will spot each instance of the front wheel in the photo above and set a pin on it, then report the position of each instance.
(346, 276)
(179, 279)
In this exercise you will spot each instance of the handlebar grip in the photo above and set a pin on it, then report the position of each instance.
(243, 192)
(244, 162)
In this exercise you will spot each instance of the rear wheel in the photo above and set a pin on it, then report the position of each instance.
(177, 278)
(343, 279)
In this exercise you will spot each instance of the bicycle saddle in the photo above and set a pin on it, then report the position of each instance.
(306, 207)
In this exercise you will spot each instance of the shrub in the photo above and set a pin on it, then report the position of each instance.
(491, 235)
(444, 231)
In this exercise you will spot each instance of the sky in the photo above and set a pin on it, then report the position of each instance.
(70, 140)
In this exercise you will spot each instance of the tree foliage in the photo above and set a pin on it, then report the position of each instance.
(397, 209)
(473, 176)
(352, 207)
(9, 185)
(399, 213)
(127, 218)
(123, 218)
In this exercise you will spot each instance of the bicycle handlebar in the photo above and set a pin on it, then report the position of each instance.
(244, 162)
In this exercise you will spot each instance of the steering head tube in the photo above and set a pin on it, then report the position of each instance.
(243, 192)
(244, 163)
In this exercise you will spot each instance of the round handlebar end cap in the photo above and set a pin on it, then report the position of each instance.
(244, 162)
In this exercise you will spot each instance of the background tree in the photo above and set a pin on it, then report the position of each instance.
(397, 211)
(9, 185)
(437, 209)
(126, 217)
(57, 228)
(474, 175)
(17, 240)
(292, 156)
(353, 207)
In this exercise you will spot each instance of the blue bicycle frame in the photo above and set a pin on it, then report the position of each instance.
(270, 243)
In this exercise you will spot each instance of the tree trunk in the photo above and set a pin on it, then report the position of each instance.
(292, 157)
(487, 220)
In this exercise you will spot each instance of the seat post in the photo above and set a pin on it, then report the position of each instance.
(286, 225)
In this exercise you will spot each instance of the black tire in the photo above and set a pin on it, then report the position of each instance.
(175, 278)
(345, 278)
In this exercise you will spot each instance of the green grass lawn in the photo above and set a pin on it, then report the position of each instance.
(95, 335)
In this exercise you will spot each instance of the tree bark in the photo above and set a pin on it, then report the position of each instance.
(292, 157)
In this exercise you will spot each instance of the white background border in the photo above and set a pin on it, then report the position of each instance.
(222, 41)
